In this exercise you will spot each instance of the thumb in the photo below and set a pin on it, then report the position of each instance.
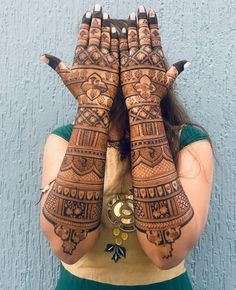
(56, 64)
(175, 70)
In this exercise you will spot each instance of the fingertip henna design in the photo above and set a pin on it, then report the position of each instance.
(52, 61)
(83, 35)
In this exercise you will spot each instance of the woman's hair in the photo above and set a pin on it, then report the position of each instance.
(173, 113)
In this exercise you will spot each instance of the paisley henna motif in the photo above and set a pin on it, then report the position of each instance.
(74, 203)
(161, 206)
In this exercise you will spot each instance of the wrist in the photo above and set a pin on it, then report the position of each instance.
(92, 117)
(145, 112)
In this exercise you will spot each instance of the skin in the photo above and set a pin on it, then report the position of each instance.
(194, 171)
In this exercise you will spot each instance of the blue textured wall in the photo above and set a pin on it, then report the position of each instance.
(33, 101)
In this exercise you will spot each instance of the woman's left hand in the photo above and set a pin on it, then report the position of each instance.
(144, 78)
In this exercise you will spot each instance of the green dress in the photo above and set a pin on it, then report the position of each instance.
(68, 281)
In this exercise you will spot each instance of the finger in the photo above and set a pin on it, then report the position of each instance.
(132, 34)
(175, 70)
(95, 28)
(154, 29)
(106, 34)
(123, 46)
(83, 36)
(56, 64)
(114, 42)
(143, 28)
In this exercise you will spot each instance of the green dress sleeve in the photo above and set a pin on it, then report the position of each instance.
(190, 134)
(64, 131)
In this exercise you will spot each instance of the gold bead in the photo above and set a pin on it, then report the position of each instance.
(116, 232)
(124, 236)
(118, 241)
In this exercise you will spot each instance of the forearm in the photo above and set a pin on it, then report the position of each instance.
(161, 206)
(74, 204)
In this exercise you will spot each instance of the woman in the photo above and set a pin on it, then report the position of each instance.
(126, 186)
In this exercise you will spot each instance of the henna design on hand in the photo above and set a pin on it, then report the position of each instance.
(74, 203)
(161, 206)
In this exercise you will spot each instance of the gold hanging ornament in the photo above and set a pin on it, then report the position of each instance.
(120, 212)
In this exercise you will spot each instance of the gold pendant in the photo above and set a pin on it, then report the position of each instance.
(120, 212)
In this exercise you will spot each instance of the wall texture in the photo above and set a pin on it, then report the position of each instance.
(33, 101)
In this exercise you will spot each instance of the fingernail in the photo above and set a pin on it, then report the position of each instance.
(187, 64)
(44, 59)
(113, 29)
(132, 16)
(88, 14)
(123, 30)
(142, 9)
(105, 15)
(97, 7)
(152, 13)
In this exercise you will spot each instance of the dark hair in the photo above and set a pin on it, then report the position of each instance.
(173, 113)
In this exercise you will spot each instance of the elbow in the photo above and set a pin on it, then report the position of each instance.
(69, 260)
(172, 261)
(166, 265)
(64, 257)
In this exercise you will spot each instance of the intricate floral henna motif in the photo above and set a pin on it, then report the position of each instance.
(74, 203)
(161, 206)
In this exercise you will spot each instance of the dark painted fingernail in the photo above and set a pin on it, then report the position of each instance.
(105, 20)
(142, 9)
(132, 16)
(181, 65)
(88, 14)
(142, 12)
(114, 32)
(44, 58)
(97, 12)
(132, 20)
(123, 33)
(52, 61)
(187, 64)
(97, 7)
(152, 13)
(87, 18)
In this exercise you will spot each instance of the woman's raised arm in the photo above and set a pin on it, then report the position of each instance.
(169, 212)
(71, 213)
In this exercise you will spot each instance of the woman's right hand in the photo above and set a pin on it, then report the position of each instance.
(93, 78)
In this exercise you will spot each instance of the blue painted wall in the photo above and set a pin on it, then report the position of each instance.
(33, 101)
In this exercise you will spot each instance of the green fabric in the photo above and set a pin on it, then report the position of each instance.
(189, 134)
(67, 281)
(64, 131)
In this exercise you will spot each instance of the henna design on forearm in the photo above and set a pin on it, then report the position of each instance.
(74, 202)
(161, 206)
